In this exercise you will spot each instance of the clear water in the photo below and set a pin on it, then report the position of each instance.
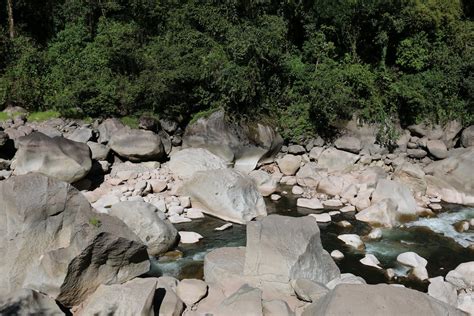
(432, 238)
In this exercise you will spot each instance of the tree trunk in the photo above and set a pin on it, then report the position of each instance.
(11, 24)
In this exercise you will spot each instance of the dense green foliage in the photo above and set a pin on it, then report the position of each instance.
(305, 65)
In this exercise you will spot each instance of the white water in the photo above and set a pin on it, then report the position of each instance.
(444, 224)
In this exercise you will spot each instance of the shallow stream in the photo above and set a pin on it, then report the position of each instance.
(433, 238)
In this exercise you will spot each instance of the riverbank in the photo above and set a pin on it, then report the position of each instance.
(378, 213)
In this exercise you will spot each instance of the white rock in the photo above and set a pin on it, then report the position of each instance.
(337, 255)
(189, 237)
(191, 291)
(371, 261)
(176, 219)
(194, 213)
(463, 276)
(184, 201)
(289, 164)
(175, 209)
(443, 291)
(223, 227)
(348, 208)
(313, 203)
(275, 197)
(375, 233)
(297, 190)
(332, 203)
(420, 273)
(466, 302)
(352, 240)
(322, 218)
(411, 259)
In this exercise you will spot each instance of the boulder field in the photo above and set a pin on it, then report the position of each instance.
(88, 210)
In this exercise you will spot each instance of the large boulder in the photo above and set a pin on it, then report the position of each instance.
(135, 297)
(81, 135)
(56, 157)
(437, 149)
(335, 160)
(310, 175)
(108, 128)
(289, 164)
(381, 299)
(136, 144)
(282, 248)
(467, 136)
(348, 143)
(157, 233)
(411, 175)
(28, 302)
(246, 301)
(450, 178)
(399, 193)
(246, 143)
(186, 162)
(54, 243)
(383, 213)
(265, 183)
(227, 194)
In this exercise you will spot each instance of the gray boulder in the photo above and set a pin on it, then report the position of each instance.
(266, 185)
(449, 178)
(348, 143)
(227, 194)
(451, 132)
(54, 243)
(250, 143)
(467, 136)
(81, 135)
(246, 301)
(108, 128)
(412, 176)
(158, 234)
(137, 145)
(335, 160)
(282, 248)
(383, 213)
(289, 164)
(399, 193)
(98, 151)
(186, 162)
(381, 299)
(26, 302)
(135, 297)
(437, 149)
(57, 157)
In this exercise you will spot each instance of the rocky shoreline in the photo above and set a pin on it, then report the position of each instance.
(84, 206)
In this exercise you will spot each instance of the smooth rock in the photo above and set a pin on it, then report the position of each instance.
(381, 299)
(463, 276)
(437, 149)
(142, 218)
(337, 255)
(383, 213)
(226, 194)
(371, 261)
(70, 249)
(321, 218)
(98, 151)
(411, 259)
(191, 291)
(185, 163)
(348, 143)
(56, 157)
(302, 257)
(467, 136)
(336, 160)
(137, 145)
(289, 164)
(398, 192)
(189, 237)
(246, 301)
(135, 297)
(266, 185)
(443, 291)
(352, 240)
(223, 227)
(313, 203)
(308, 290)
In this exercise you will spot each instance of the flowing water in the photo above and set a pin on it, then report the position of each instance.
(435, 239)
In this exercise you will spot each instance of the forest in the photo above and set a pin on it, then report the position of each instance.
(303, 65)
